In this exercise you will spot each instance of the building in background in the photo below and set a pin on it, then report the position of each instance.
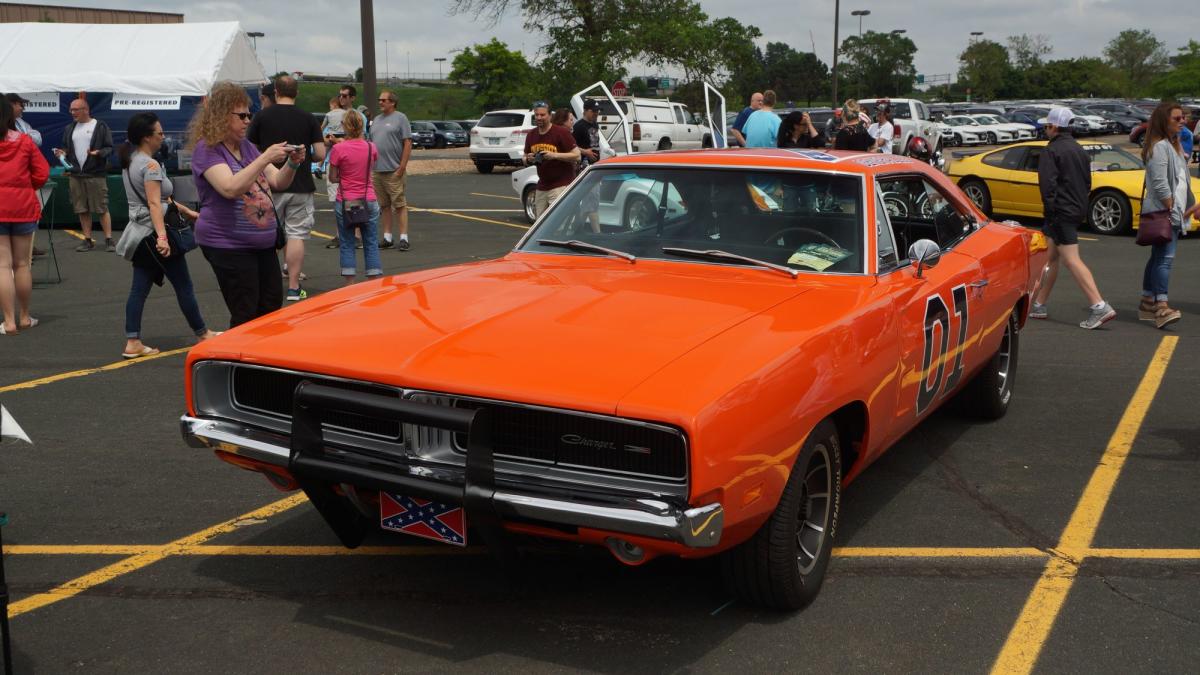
(11, 12)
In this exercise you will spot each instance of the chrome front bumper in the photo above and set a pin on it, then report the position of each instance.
(698, 527)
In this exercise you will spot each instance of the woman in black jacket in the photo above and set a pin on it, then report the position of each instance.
(797, 131)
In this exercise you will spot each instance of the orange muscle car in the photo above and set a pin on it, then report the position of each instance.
(690, 354)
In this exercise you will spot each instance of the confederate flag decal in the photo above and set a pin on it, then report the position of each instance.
(420, 517)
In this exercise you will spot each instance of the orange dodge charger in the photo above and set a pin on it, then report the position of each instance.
(690, 354)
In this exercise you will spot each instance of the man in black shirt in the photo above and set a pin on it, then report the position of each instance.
(587, 134)
(1065, 180)
(284, 122)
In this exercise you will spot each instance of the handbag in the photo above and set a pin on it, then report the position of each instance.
(354, 211)
(181, 236)
(147, 253)
(1154, 227)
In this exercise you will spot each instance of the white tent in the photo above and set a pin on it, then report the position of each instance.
(172, 59)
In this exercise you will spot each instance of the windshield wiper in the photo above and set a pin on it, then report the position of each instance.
(716, 254)
(576, 245)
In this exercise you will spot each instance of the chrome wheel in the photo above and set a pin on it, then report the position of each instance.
(816, 507)
(527, 200)
(639, 213)
(1107, 214)
(975, 192)
(1004, 363)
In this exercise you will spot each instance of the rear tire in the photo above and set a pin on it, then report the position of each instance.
(783, 564)
(987, 395)
(1109, 212)
(484, 167)
(978, 191)
(527, 200)
(664, 144)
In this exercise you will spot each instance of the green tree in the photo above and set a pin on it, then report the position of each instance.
(878, 64)
(1137, 57)
(984, 68)
(1184, 78)
(501, 76)
(637, 86)
(1026, 51)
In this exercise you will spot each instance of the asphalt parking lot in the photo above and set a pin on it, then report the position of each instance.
(1061, 538)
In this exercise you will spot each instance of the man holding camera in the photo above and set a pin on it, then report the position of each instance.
(283, 122)
(552, 149)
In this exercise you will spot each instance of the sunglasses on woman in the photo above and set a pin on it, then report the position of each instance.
(243, 116)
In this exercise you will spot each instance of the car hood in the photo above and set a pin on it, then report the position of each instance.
(544, 329)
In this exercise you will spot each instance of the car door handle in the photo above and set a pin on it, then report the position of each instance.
(978, 284)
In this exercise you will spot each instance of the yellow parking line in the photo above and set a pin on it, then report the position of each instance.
(1088, 239)
(1029, 634)
(131, 564)
(934, 552)
(1146, 553)
(90, 371)
(77, 549)
(484, 194)
(482, 220)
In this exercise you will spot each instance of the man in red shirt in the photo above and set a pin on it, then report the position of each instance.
(552, 149)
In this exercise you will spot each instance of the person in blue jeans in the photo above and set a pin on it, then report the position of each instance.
(146, 183)
(350, 164)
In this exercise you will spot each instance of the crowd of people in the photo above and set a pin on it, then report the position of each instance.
(256, 190)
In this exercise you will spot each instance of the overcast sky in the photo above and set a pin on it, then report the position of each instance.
(322, 36)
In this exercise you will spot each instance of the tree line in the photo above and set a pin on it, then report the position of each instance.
(586, 41)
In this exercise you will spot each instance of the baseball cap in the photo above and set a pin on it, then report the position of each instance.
(837, 113)
(591, 104)
(1060, 117)
(16, 98)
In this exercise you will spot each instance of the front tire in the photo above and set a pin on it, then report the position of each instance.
(978, 191)
(1109, 212)
(783, 565)
(958, 139)
(528, 198)
(639, 212)
(991, 138)
(987, 395)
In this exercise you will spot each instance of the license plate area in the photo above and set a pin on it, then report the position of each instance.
(493, 141)
(446, 523)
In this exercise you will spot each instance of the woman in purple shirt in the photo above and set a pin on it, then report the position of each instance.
(236, 229)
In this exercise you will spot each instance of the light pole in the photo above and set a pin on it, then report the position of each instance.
(440, 60)
(899, 31)
(860, 13)
(254, 37)
(975, 34)
(837, 12)
(386, 66)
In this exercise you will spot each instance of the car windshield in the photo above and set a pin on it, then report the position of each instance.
(501, 120)
(1107, 158)
(802, 220)
(422, 126)
(961, 122)
(988, 119)
(448, 126)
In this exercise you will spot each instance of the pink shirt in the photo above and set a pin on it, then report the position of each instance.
(350, 158)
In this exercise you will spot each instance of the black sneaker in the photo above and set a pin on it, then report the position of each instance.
(402, 245)
(86, 246)
(333, 243)
(386, 243)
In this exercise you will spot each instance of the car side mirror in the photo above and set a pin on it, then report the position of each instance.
(926, 253)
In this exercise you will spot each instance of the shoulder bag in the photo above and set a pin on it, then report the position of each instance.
(180, 235)
(354, 211)
(1154, 227)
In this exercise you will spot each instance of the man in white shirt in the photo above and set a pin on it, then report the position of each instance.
(87, 143)
(882, 130)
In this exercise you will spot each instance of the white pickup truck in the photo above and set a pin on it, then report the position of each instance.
(911, 119)
(657, 124)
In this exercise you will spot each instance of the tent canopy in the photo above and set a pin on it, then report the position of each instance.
(174, 59)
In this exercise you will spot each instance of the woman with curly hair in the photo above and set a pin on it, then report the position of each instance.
(236, 229)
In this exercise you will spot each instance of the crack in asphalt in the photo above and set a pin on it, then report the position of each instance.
(1142, 603)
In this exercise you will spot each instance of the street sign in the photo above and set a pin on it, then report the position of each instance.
(664, 83)
(619, 89)
(920, 79)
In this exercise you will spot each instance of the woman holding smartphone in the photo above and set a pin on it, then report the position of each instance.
(236, 228)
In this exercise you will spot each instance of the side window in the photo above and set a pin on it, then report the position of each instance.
(885, 241)
(1030, 162)
(679, 116)
(918, 209)
(999, 158)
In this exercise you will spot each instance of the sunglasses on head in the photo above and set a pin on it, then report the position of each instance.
(540, 104)
(243, 116)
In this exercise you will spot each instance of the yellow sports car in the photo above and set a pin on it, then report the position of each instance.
(1006, 181)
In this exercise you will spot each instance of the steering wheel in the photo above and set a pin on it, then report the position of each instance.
(819, 235)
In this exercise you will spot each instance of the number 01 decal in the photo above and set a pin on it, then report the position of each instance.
(937, 314)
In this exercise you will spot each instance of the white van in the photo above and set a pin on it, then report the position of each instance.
(657, 124)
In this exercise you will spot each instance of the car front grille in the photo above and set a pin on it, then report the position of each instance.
(567, 439)
(271, 392)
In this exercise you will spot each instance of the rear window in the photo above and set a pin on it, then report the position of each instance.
(607, 108)
(448, 126)
(900, 111)
(422, 126)
(501, 120)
